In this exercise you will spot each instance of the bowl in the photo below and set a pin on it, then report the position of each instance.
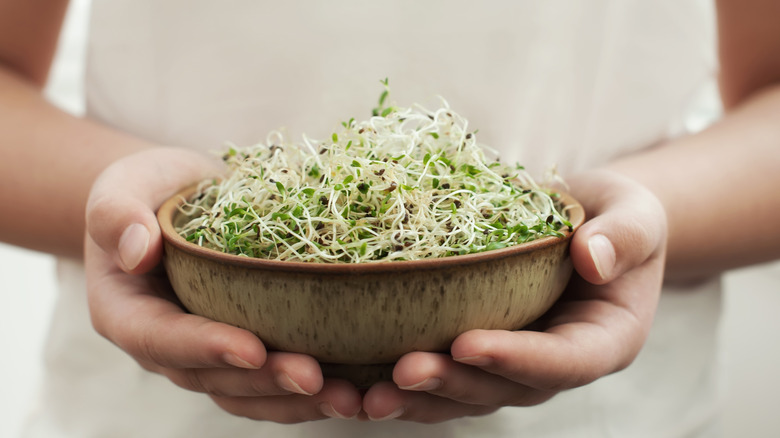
(358, 319)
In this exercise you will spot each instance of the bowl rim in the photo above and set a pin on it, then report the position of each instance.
(167, 211)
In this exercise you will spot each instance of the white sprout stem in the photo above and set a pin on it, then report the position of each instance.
(407, 185)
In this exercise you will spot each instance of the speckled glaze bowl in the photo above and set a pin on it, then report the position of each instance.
(358, 319)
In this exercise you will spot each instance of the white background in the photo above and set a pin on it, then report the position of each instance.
(750, 331)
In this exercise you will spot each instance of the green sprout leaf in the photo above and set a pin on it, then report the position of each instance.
(410, 185)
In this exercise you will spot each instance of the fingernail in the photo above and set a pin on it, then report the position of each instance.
(327, 409)
(603, 254)
(238, 361)
(288, 384)
(477, 361)
(133, 245)
(428, 384)
(392, 416)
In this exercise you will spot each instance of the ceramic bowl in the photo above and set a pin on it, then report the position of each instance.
(358, 319)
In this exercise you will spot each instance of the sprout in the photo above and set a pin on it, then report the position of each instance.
(406, 184)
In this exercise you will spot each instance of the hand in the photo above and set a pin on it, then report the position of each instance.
(131, 303)
(597, 328)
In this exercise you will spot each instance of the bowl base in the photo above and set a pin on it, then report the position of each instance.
(362, 376)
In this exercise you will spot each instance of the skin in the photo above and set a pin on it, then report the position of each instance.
(640, 231)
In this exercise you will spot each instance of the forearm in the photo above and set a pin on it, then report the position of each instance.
(719, 188)
(50, 159)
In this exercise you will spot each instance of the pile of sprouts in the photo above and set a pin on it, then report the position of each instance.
(406, 184)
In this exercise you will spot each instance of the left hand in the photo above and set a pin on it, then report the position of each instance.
(597, 327)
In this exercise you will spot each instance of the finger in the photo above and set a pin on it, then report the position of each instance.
(598, 330)
(628, 226)
(135, 313)
(120, 209)
(385, 401)
(440, 375)
(566, 356)
(337, 399)
(283, 373)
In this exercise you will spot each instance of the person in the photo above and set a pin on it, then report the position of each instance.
(593, 87)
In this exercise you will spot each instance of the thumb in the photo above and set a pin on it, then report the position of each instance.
(627, 226)
(120, 212)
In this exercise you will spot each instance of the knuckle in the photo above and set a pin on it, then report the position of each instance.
(99, 209)
(99, 325)
(458, 392)
(144, 345)
(190, 380)
(577, 377)
(623, 364)
(636, 234)
(237, 406)
(289, 418)
(141, 344)
(259, 386)
(531, 398)
(648, 228)
(101, 223)
(254, 409)
(149, 366)
(484, 410)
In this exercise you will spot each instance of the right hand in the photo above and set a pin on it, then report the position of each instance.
(132, 304)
